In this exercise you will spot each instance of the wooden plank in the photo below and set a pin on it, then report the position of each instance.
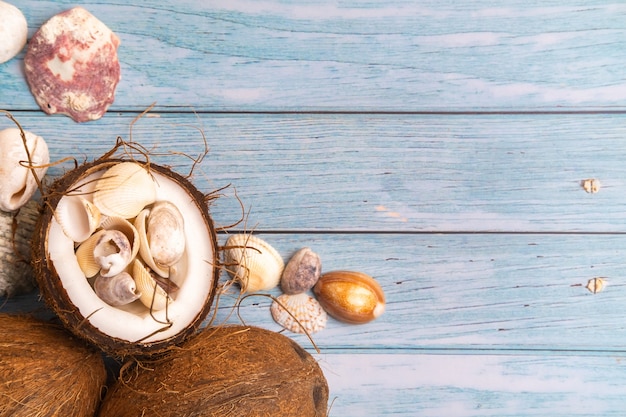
(465, 292)
(441, 385)
(417, 173)
(276, 55)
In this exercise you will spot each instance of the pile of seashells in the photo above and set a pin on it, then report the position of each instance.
(127, 243)
(348, 296)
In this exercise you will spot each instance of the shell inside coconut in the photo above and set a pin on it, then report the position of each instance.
(135, 328)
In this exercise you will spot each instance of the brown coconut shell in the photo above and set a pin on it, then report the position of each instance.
(47, 372)
(225, 371)
(56, 296)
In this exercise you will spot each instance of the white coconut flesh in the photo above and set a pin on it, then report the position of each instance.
(134, 322)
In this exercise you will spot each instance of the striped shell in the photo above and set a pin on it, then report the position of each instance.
(152, 295)
(307, 315)
(124, 190)
(252, 262)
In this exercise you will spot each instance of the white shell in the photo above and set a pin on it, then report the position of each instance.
(126, 227)
(13, 31)
(17, 184)
(112, 252)
(117, 290)
(162, 236)
(310, 315)
(152, 295)
(78, 217)
(124, 190)
(253, 262)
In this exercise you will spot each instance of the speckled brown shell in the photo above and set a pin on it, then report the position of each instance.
(71, 65)
(301, 272)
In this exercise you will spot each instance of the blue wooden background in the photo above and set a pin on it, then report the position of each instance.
(436, 145)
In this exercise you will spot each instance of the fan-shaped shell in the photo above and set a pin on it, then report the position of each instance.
(117, 290)
(254, 263)
(306, 313)
(84, 255)
(78, 217)
(124, 190)
(152, 295)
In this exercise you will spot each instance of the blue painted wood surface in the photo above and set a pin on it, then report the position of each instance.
(439, 147)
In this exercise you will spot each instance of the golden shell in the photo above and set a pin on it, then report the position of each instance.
(252, 262)
(307, 315)
(124, 190)
(78, 217)
(352, 297)
(152, 295)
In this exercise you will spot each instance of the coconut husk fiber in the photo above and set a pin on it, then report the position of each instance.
(224, 371)
(46, 372)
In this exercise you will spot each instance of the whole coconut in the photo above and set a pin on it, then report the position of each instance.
(224, 371)
(46, 372)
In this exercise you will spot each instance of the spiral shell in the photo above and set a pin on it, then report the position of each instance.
(17, 184)
(113, 252)
(307, 315)
(117, 290)
(254, 263)
(124, 190)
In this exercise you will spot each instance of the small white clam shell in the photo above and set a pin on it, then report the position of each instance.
(17, 184)
(124, 190)
(117, 290)
(112, 252)
(252, 262)
(152, 295)
(306, 313)
(77, 216)
(162, 236)
(126, 227)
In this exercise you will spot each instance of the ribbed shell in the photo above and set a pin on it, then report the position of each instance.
(254, 263)
(124, 190)
(152, 295)
(310, 315)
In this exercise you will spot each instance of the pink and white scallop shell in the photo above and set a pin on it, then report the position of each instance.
(71, 65)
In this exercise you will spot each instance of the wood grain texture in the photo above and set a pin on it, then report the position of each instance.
(373, 56)
(437, 146)
(425, 173)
